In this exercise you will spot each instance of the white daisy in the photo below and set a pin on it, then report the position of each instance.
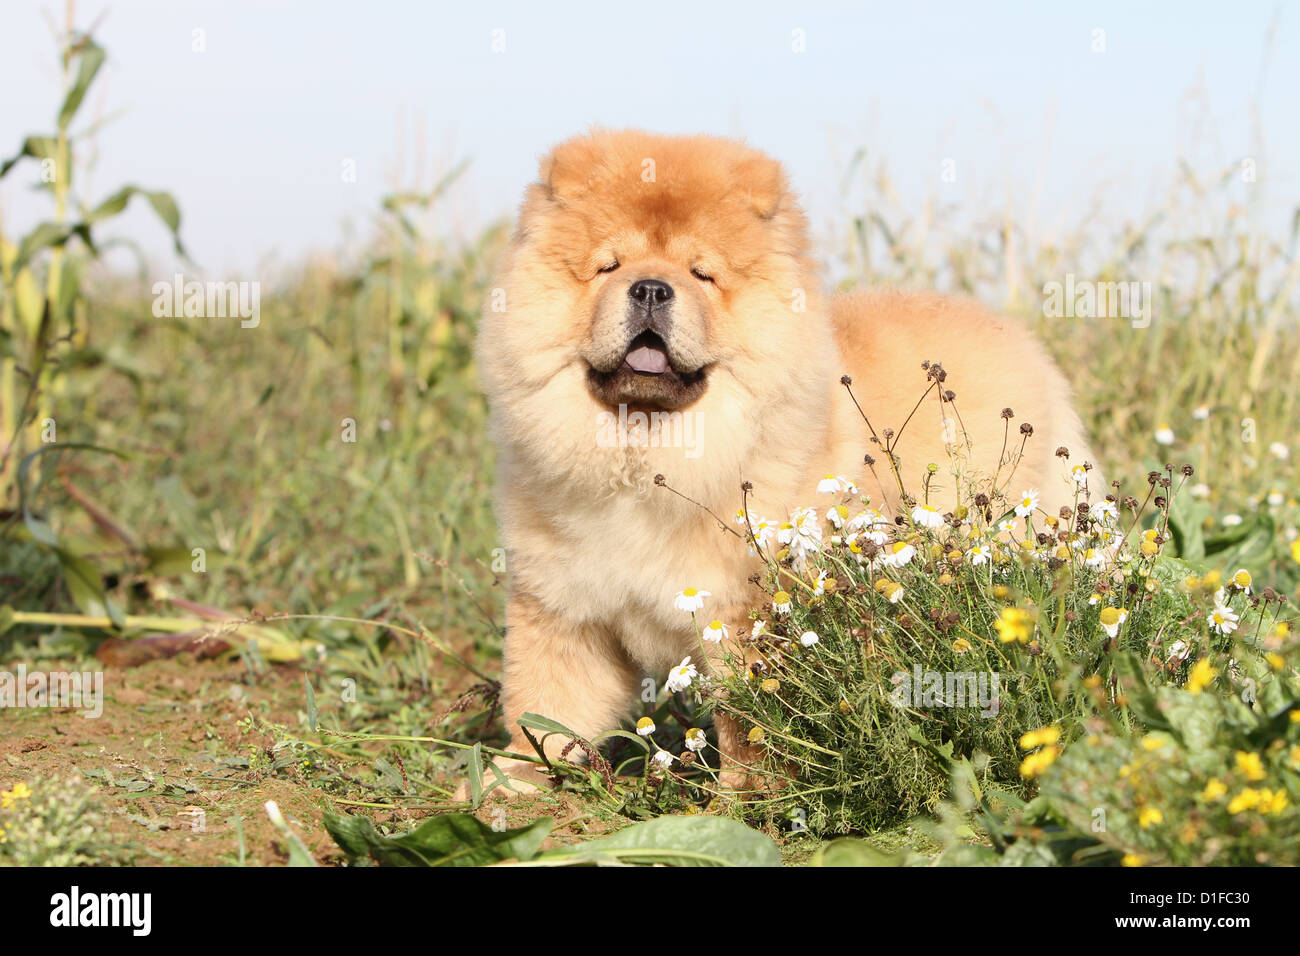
(1028, 503)
(1111, 619)
(663, 759)
(927, 516)
(836, 484)
(681, 676)
(1103, 510)
(1232, 520)
(1279, 451)
(695, 740)
(714, 632)
(690, 600)
(1201, 412)
(897, 554)
(645, 726)
(808, 638)
(980, 554)
(1223, 620)
(1165, 435)
(781, 602)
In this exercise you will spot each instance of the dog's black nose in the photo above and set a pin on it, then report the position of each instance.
(650, 292)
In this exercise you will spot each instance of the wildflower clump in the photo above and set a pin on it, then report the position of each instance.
(53, 822)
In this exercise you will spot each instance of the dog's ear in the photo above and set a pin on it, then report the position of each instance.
(763, 180)
(568, 168)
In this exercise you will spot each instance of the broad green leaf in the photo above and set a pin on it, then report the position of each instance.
(676, 841)
(452, 839)
(851, 852)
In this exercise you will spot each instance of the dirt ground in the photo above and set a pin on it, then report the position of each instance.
(184, 767)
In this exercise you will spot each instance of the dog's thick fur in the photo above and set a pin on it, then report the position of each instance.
(596, 551)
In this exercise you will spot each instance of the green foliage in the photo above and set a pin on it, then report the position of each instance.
(458, 839)
(54, 822)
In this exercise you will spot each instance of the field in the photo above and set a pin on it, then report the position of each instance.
(277, 545)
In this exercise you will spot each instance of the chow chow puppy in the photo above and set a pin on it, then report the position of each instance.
(658, 312)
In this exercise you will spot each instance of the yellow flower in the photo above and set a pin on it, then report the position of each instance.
(1202, 675)
(1294, 756)
(1295, 550)
(1214, 789)
(9, 797)
(1132, 859)
(1275, 661)
(771, 685)
(961, 645)
(1150, 549)
(1274, 802)
(1153, 742)
(1014, 624)
(845, 709)
(1149, 816)
(1212, 581)
(1251, 766)
(1000, 591)
(1248, 799)
(756, 735)
(1038, 761)
(1043, 735)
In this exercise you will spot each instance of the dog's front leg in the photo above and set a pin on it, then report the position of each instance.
(572, 672)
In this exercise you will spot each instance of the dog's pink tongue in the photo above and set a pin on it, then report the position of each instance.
(646, 359)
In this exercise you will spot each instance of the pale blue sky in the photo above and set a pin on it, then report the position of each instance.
(250, 134)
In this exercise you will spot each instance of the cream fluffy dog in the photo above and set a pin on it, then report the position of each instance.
(658, 313)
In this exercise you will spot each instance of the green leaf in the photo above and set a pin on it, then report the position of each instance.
(1140, 698)
(86, 586)
(49, 235)
(89, 59)
(452, 839)
(851, 852)
(476, 775)
(626, 735)
(312, 712)
(1187, 524)
(675, 841)
(163, 205)
(35, 147)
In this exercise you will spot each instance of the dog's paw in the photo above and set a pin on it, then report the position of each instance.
(523, 778)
